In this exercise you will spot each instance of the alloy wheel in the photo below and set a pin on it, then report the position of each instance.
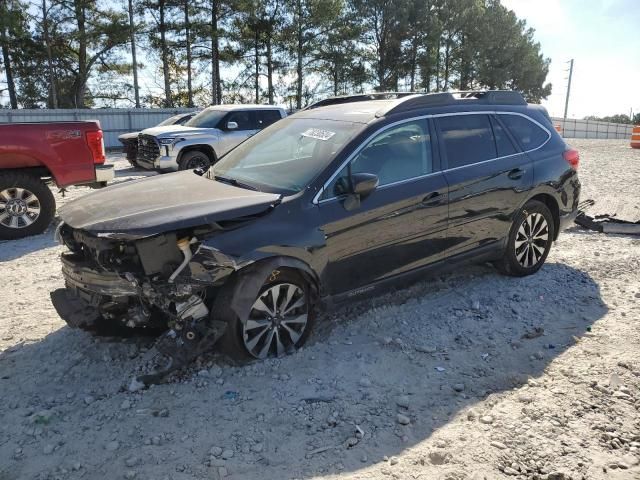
(198, 162)
(532, 240)
(277, 321)
(19, 207)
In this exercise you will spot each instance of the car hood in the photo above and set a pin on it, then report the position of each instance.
(178, 131)
(128, 136)
(163, 203)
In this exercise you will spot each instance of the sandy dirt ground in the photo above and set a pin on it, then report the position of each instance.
(467, 375)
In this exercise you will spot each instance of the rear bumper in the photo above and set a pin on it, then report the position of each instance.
(104, 173)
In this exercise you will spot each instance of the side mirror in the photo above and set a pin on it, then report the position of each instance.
(232, 126)
(362, 184)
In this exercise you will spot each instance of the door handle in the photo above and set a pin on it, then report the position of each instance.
(434, 198)
(516, 174)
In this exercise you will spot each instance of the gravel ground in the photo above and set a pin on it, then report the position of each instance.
(468, 375)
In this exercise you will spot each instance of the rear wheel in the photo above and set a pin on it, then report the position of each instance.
(195, 159)
(529, 241)
(27, 205)
(280, 320)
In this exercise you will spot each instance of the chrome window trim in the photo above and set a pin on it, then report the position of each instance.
(316, 199)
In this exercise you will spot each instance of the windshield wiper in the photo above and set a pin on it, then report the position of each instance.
(234, 182)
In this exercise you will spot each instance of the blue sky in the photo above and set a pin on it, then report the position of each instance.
(603, 37)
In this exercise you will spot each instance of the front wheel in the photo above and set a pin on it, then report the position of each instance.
(27, 205)
(194, 159)
(280, 320)
(529, 241)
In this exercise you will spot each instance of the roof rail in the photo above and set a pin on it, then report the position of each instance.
(490, 97)
(360, 97)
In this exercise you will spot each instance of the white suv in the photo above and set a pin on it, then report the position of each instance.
(203, 139)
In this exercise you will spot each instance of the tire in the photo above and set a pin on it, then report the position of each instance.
(529, 242)
(240, 335)
(194, 159)
(27, 205)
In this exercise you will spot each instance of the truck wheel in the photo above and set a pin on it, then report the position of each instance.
(195, 159)
(27, 205)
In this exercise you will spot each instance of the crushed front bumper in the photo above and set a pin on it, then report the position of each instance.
(85, 281)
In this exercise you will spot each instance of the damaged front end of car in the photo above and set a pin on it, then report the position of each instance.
(164, 282)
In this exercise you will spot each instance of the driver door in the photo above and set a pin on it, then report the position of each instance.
(399, 226)
(246, 126)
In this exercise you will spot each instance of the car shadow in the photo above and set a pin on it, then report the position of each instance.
(445, 344)
(12, 249)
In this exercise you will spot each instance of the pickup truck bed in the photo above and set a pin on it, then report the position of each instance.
(33, 154)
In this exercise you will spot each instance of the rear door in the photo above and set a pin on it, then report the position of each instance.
(401, 225)
(267, 117)
(488, 176)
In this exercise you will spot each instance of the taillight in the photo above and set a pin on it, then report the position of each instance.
(96, 145)
(572, 157)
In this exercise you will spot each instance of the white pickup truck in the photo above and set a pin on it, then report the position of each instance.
(203, 139)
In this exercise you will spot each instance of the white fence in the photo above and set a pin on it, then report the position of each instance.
(572, 128)
(115, 121)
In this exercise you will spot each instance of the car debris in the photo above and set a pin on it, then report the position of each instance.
(605, 223)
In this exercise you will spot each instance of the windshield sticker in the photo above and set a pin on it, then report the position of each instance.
(318, 134)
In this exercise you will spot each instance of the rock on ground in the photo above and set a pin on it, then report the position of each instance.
(564, 404)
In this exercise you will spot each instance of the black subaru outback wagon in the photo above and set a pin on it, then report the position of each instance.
(332, 203)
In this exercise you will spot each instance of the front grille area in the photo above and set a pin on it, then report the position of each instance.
(148, 148)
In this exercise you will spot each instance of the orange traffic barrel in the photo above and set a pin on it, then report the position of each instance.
(558, 128)
(635, 137)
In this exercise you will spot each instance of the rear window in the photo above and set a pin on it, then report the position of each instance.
(503, 143)
(467, 139)
(525, 131)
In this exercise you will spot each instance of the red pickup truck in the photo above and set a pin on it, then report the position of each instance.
(34, 154)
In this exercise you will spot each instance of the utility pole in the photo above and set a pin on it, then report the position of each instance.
(566, 102)
(132, 33)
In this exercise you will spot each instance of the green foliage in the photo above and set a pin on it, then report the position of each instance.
(619, 118)
(76, 53)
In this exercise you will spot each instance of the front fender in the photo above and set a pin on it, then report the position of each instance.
(238, 294)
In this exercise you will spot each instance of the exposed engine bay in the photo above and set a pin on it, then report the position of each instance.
(165, 282)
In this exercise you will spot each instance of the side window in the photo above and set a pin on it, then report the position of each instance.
(525, 131)
(503, 142)
(399, 153)
(467, 139)
(244, 119)
(267, 117)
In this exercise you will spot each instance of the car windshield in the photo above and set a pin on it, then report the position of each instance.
(169, 121)
(286, 156)
(206, 119)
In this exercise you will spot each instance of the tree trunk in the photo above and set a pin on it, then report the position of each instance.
(216, 87)
(299, 56)
(257, 66)
(6, 59)
(447, 63)
(80, 85)
(53, 91)
(414, 61)
(168, 102)
(134, 63)
(437, 52)
(269, 69)
(187, 28)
